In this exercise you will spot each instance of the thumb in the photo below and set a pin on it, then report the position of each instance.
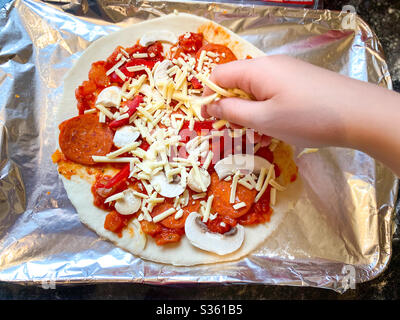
(246, 113)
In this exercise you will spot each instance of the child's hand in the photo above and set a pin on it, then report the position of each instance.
(309, 106)
(296, 101)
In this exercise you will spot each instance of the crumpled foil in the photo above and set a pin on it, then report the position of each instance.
(343, 227)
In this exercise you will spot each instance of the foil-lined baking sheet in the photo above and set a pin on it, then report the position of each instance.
(340, 231)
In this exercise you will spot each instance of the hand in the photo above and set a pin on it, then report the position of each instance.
(295, 101)
(310, 106)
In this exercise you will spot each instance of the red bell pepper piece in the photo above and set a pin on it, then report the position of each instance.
(123, 174)
(137, 62)
(196, 83)
(132, 105)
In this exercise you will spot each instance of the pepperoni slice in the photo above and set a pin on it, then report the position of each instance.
(221, 190)
(84, 136)
(170, 222)
(225, 54)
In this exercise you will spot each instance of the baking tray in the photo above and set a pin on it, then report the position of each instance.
(340, 234)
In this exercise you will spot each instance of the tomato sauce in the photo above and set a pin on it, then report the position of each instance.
(116, 222)
(161, 234)
(189, 43)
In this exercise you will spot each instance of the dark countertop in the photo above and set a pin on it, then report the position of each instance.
(384, 19)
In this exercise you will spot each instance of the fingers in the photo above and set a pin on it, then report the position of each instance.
(242, 112)
(249, 75)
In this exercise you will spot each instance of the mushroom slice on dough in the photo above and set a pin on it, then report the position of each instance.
(125, 135)
(109, 97)
(128, 204)
(199, 236)
(160, 73)
(167, 189)
(245, 163)
(138, 236)
(161, 35)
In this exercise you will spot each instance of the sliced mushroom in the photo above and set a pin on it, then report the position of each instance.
(136, 234)
(167, 189)
(160, 71)
(129, 204)
(194, 183)
(245, 163)
(125, 135)
(110, 97)
(161, 35)
(221, 244)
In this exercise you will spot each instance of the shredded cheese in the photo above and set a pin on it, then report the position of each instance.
(276, 185)
(274, 143)
(265, 184)
(273, 196)
(201, 60)
(219, 124)
(114, 197)
(239, 205)
(90, 111)
(116, 66)
(250, 179)
(150, 76)
(139, 55)
(104, 110)
(234, 186)
(164, 215)
(245, 184)
(261, 178)
(199, 195)
(206, 213)
(306, 151)
(127, 148)
(213, 86)
(102, 117)
(208, 159)
(179, 214)
(120, 74)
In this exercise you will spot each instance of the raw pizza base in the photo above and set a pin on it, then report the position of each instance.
(79, 188)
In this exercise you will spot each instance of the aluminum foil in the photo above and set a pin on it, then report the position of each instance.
(341, 230)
